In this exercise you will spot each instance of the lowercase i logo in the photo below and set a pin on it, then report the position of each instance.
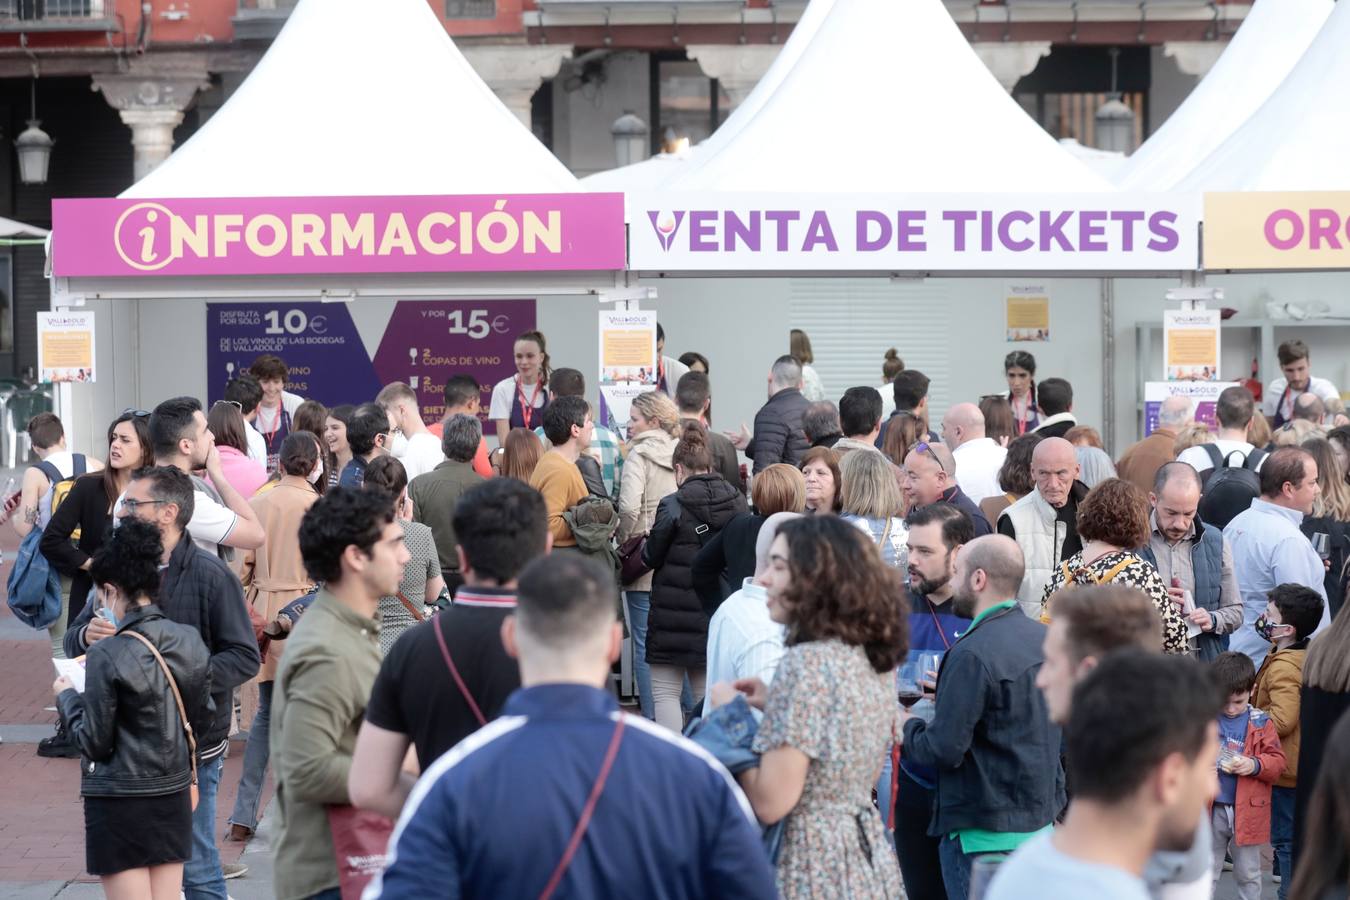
(666, 226)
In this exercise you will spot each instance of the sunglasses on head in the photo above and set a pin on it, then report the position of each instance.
(922, 447)
(137, 413)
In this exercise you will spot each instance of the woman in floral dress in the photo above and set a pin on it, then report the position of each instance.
(1112, 519)
(830, 714)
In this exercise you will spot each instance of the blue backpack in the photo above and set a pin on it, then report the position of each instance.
(34, 586)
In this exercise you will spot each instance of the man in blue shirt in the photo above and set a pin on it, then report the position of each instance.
(936, 533)
(1269, 549)
(1141, 745)
(564, 792)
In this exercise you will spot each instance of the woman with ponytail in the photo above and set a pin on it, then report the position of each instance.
(677, 629)
(519, 401)
(1019, 367)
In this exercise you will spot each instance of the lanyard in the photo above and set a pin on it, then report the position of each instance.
(276, 424)
(938, 622)
(661, 373)
(1020, 420)
(527, 409)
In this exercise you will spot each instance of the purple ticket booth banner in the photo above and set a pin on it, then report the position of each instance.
(318, 341)
(427, 341)
(337, 235)
(1204, 396)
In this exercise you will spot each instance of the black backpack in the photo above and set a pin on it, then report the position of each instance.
(1229, 490)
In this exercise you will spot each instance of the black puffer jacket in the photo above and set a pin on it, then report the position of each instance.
(778, 431)
(126, 723)
(677, 631)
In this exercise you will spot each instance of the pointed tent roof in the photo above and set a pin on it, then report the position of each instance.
(1300, 137)
(661, 169)
(1272, 39)
(890, 96)
(359, 99)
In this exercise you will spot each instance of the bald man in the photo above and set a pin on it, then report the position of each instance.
(978, 458)
(1044, 523)
(996, 752)
(1141, 461)
(929, 476)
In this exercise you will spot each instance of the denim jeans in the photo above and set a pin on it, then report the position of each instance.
(202, 876)
(1282, 833)
(639, 609)
(255, 762)
(955, 868)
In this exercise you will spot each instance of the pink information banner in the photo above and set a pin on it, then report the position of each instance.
(338, 235)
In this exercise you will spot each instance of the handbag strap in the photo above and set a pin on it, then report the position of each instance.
(177, 699)
(454, 673)
(585, 820)
(408, 605)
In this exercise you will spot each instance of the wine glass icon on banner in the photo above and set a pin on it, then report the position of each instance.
(412, 361)
(229, 371)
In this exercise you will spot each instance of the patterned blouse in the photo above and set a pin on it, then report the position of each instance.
(422, 566)
(1128, 568)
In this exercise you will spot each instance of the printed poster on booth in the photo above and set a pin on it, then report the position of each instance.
(1028, 311)
(65, 347)
(1191, 344)
(627, 361)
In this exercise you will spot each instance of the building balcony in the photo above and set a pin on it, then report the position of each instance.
(260, 20)
(56, 15)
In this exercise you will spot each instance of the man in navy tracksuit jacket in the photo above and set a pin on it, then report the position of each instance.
(495, 816)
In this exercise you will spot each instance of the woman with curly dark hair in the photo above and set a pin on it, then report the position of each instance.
(1113, 519)
(830, 715)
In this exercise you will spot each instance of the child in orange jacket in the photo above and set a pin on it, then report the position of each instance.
(1250, 760)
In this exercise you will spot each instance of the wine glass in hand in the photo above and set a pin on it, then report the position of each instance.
(908, 683)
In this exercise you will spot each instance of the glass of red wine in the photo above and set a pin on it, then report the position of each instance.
(908, 683)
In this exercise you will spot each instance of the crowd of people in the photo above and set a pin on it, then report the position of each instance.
(878, 659)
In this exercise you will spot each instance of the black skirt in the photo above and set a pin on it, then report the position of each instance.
(122, 833)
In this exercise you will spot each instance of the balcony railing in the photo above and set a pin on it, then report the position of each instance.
(54, 15)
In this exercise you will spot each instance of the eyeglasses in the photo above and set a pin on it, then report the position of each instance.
(132, 505)
(922, 447)
(138, 413)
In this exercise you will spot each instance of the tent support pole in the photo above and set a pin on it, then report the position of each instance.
(1109, 363)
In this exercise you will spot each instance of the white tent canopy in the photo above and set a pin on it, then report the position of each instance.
(12, 229)
(660, 169)
(359, 99)
(889, 96)
(1300, 137)
(649, 174)
(1272, 39)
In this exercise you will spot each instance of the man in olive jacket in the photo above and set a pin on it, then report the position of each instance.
(991, 739)
(351, 543)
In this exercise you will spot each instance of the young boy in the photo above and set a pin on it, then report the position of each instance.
(1292, 614)
(1250, 759)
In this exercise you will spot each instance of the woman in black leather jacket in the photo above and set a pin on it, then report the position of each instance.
(135, 767)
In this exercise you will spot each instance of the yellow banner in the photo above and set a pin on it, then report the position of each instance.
(1277, 230)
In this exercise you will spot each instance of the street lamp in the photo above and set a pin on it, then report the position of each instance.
(1115, 120)
(630, 138)
(34, 147)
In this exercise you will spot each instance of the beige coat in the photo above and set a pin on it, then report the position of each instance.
(274, 574)
(648, 476)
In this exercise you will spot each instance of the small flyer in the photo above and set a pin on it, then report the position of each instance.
(1028, 312)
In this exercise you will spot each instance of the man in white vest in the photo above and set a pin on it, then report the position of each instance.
(1045, 522)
